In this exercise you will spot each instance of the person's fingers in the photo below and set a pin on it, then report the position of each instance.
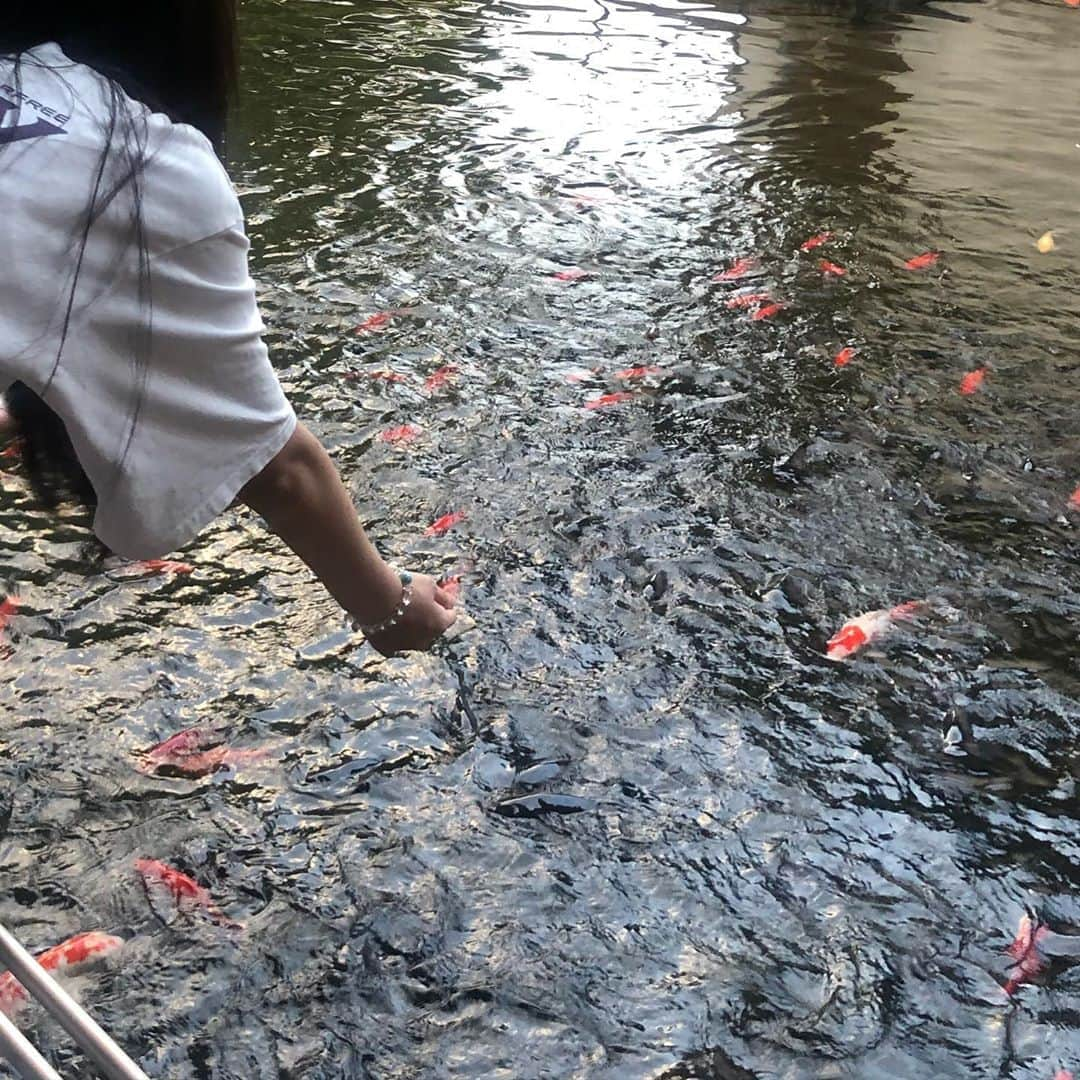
(443, 598)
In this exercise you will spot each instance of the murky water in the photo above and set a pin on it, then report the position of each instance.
(777, 866)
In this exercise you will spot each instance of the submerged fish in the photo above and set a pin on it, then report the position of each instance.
(815, 241)
(1025, 951)
(440, 377)
(1045, 243)
(1064, 1074)
(604, 400)
(76, 951)
(767, 312)
(573, 273)
(195, 752)
(145, 567)
(831, 268)
(9, 608)
(445, 523)
(185, 891)
(864, 629)
(405, 433)
(386, 375)
(1074, 499)
(844, 357)
(921, 262)
(379, 321)
(529, 806)
(739, 268)
(972, 381)
(748, 300)
(637, 372)
(14, 449)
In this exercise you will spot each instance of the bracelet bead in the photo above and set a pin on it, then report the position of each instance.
(396, 615)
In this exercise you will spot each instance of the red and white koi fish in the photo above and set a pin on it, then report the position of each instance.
(827, 267)
(195, 752)
(604, 400)
(748, 300)
(76, 951)
(185, 891)
(573, 273)
(440, 377)
(816, 241)
(739, 268)
(1074, 499)
(972, 381)
(767, 312)
(637, 372)
(379, 321)
(921, 262)
(146, 567)
(445, 523)
(404, 434)
(1025, 951)
(844, 357)
(1064, 1074)
(864, 629)
(9, 608)
(13, 450)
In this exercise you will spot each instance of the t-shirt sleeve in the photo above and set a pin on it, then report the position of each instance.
(168, 447)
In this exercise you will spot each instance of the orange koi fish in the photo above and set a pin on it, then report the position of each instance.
(921, 262)
(827, 267)
(748, 300)
(767, 312)
(864, 629)
(844, 357)
(637, 372)
(972, 381)
(739, 268)
(816, 241)
(1074, 499)
(1025, 951)
(379, 321)
(445, 523)
(185, 892)
(404, 434)
(573, 273)
(9, 607)
(604, 400)
(440, 377)
(76, 951)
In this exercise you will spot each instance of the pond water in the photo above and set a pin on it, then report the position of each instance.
(736, 858)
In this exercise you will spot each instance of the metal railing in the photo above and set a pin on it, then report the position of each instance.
(17, 1049)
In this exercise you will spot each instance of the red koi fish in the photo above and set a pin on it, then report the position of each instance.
(185, 892)
(195, 752)
(604, 400)
(637, 372)
(386, 375)
(404, 434)
(844, 357)
(831, 268)
(864, 629)
(14, 450)
(816, 241)
(748, 300)
(921, 262)
(1064, 1074)
(1074, 499)
(573, 273)
(1075, 4)
(739, 268)
(379, 321)
(767, 312)
(972, 381)
(146, 567)
(440, 377)
(445, 523)
(76, 951)
(1025, 951)
(9, 608)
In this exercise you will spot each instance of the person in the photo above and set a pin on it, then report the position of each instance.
(131, 356)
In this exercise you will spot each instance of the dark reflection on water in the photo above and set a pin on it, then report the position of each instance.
(635, 824)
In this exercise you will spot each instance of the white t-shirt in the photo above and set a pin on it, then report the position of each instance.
(210, 411)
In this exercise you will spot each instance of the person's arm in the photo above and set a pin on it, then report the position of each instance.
(304, 501)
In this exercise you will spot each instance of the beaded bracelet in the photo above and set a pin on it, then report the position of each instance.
(396, 616)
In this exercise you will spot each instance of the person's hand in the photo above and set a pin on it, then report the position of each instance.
(426, 619)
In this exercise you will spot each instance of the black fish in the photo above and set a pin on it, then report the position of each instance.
(528, 806)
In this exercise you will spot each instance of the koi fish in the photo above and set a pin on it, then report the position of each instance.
(637, 372)
(1074, 499)
(972, 381)
(1025, 951)
(76, 951)
(748, 300)
(445, 523)
(767, 312)
(185, 891)
(739, 268)
(13, 450)
(404, 434)
(440, 377)
(9, 607)
(379, 321)
(582, 376)
(816, 241)
(386, 375)
(1045, 243)
(149, 566)
(921, 262)
(1073, 3)
(864, 629)
(1064, 1074)
(844, 357)
(194, 753)
(574, 273)
(831, 268)
(604, 400)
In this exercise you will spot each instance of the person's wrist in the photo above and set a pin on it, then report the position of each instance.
(403, 599)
